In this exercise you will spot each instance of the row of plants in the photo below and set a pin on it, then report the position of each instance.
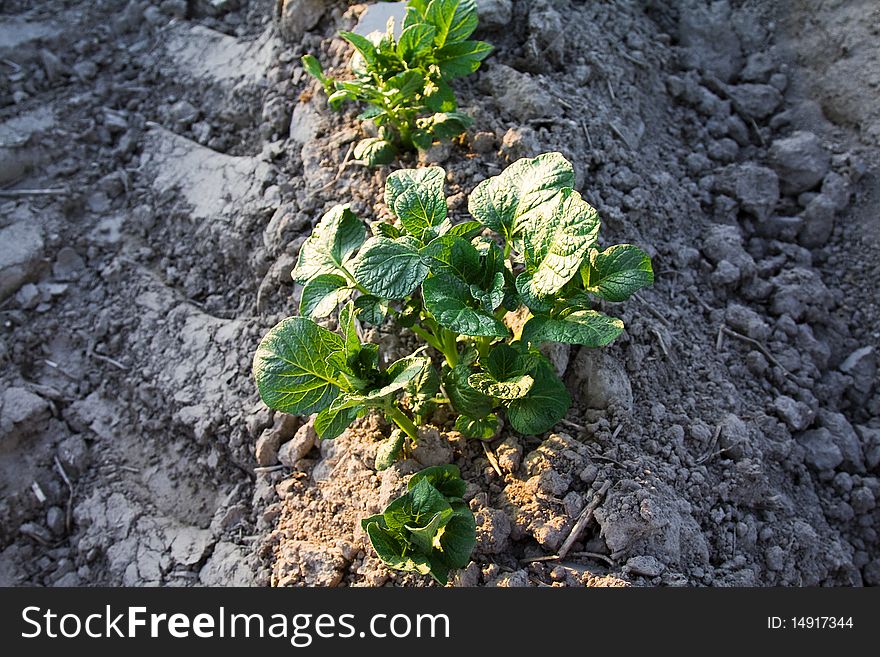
(481, 295)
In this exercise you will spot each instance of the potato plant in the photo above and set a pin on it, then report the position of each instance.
(405, 81)
(429, 529)
(482, 295)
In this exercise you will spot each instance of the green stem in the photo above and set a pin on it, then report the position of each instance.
(360, 288)
(483, 344)
(401, 420)
(427, 337)
(451, 351)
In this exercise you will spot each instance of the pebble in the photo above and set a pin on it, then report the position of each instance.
(821, 453)
(755, 101)
(795, 414)
(56, 521)
(301, 444)
(645, 565)
(800, 161)
(818, 222)
(494, 13)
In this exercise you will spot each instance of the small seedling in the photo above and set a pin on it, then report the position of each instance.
(405, 81)
(429, 529)
(483, 295)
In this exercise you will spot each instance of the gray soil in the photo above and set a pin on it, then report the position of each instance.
(162, 162)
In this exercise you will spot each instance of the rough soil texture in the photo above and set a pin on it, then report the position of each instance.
(730, 437)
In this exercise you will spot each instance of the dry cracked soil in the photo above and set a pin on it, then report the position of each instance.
(162, 162)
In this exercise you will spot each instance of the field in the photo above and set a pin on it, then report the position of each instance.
(161, 164)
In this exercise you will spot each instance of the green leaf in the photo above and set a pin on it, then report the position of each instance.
(371, 309)
(587, 327)
(363, 45)
(537, 303)
(313, 67)
(490, 298)
(322, 294)
(383, 229)
(348, 331)
(388, 269)
(415, 40)
(374, 152)
(544, 405)
(458, 541)
(449, 301)
(416, 197)
(389, 450)
(445, 478)
(439, 97)
(505, 362)
(422, 139)
(297, 366)
(463, 58)
(482, 429)
(467, 230)
(455, 20)
(556, 241)
(334, 239)
(399, 374)
(465, 399)
(339, 96)
(618, 272)
(448, 125)
(407, 83)
(451, 255)
(423, 537)
(500, 202)
(331, 422)
(512, 388)
(370, 113)
(390, 550)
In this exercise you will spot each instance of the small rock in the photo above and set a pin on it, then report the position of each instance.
(509, 454)
(22, 413)
(846, 439)
(68, 264)
(861, 365)
(493, 531)
(704, 31)
(862, 500)
(775, 558)
(800, 160)
(301, 444)
(183, 113)
(519, 94)
(56, 521)
(189, 545)
(836, 188)
(86, 69)
(645, 565)
(820, 451)
(73, 452)
(818, 222)
(800, 293)
(28, 296)
(795, 414)
(266, 450)
(299, 16)
(276, 114)
(870, 445)
(755, 187)
(285, 224)
(494, 13)
(600, 380)
(432, 448)
(755, 101)
(518, 579)
(554, 483)
(20, 257)
(483, 142)
(759, 66)
(746, 321)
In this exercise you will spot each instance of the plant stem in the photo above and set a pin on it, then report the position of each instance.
(451, 351)
(401, 420)
(427, 337)
(483, 346)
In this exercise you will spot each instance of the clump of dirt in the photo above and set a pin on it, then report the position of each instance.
(161, 165)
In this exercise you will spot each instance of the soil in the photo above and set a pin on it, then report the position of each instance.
(161, 164)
